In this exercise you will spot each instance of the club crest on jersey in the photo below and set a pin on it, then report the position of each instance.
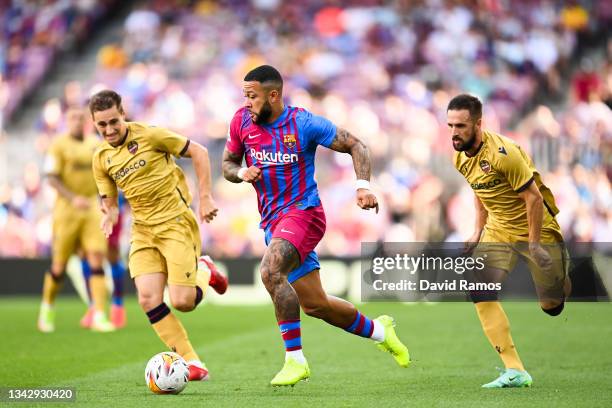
(132, 146)
(485, 166)
(289, 141)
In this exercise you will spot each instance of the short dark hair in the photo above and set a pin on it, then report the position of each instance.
(469, 102)
(267, 75)
(104, 100)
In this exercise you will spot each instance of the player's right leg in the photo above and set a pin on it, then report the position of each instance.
(188, 279)
(500, 259)
(496, 327)
(341, 313)
(65, 235)
(52, 284)
(150, 288)
(280, 258)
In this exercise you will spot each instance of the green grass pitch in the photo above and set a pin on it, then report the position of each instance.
(569, 357)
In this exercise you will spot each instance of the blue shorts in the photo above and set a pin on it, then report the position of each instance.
(303, 229)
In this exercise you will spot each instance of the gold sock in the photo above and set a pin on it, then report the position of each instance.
(496, 327)
(97, 286)
(173, 334)
(51, 288)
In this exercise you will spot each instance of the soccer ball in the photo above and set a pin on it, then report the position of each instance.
(167, 373)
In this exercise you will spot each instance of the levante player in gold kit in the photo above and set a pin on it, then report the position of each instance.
(515, 217)
(76, 219)
(165, 243)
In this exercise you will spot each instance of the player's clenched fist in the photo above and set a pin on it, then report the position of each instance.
(250, 175)
(540, 255)
(208, 209)
(366, 199)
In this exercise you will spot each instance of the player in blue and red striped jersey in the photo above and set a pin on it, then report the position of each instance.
(279, 144)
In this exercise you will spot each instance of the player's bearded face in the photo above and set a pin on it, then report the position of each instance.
(257, 102)
(463, 129)
(462, 143)
(264, 113)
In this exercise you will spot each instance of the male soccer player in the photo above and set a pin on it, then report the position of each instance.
(76, 219)
(279, 143)
(515, 217)
(166, 244)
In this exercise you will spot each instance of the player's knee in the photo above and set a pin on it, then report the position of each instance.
(58, 277)
(552, 308)
(270, 279)
(148, 301)
(183, 304)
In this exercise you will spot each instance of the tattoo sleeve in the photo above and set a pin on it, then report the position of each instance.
(280, 258)
(231, 164)
(345, 142)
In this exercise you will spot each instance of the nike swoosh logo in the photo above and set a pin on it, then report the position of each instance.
(288, 232)
(254, 136)
(512, 378)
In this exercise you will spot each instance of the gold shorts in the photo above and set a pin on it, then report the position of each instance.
(501, 252)
(171, 247)
(73, 229)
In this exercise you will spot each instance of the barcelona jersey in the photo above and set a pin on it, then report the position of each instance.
(285, 152)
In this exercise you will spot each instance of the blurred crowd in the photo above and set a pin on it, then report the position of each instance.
(33, 34)
(383, 70)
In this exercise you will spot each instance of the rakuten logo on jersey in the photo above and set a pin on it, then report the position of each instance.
(275, 158)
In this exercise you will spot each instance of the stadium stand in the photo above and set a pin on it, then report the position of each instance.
(385, 72)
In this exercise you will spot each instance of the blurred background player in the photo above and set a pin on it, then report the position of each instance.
(118, 316)
(76, 219)
(165, 243)
(279, 143)
(515, 217)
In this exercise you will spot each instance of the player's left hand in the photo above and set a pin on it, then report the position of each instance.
(366, 199)
(540, 255)
(107, 224)
(208, 209)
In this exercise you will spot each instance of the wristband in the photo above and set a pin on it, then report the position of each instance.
(365, 184)
(241, 173)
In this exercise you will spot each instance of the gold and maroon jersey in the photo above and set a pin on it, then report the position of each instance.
(497, 173)
(144, 168)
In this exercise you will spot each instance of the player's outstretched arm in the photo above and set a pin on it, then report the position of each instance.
(345, 142)
(201, 164)
(110, 211)
(234, 172)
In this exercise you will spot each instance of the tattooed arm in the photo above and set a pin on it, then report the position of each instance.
(232, 165)
(345, 142)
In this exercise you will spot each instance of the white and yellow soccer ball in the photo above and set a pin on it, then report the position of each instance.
(167, 373)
